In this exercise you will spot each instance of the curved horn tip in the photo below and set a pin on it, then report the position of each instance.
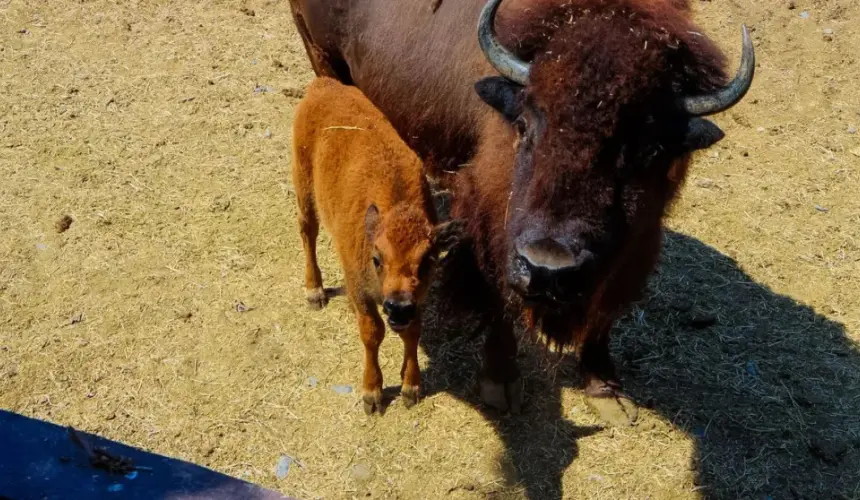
(747, 39)
(732, 93)
(746, 71)
(503, 60)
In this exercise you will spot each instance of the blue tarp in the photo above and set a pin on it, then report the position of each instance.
(39, 461)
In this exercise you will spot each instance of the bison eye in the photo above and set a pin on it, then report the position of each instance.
(377, 262)
(521, 124)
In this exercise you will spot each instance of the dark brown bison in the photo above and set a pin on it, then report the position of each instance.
(571, 167)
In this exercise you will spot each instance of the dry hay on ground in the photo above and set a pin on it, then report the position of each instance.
(145, 153)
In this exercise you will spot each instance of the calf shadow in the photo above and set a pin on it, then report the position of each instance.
(768, 390)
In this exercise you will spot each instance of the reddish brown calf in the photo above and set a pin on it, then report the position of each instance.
(353, 172)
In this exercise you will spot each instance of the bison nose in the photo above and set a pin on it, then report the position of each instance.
(553, 256)
(548, 267)
(400, 312)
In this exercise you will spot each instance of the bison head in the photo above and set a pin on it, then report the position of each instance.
(405, 249)
(606, 115)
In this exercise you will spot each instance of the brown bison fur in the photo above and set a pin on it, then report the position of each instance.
(631, 58)
(592, 148)
(354, 174)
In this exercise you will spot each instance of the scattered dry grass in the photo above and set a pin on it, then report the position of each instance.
(161, 130)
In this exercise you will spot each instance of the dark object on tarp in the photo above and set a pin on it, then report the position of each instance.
(101, 458)
(39, 461)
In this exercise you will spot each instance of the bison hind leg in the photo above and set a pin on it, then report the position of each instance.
(309, 228)
(316, 297)
(503, 396)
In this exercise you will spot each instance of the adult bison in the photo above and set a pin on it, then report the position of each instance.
(571, 167)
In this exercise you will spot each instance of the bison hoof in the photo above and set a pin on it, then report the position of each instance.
(610, 404)
(410, 395)
(372, 401)
(316, 298)
(503, 396)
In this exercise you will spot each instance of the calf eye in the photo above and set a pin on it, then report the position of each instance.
(377, 262)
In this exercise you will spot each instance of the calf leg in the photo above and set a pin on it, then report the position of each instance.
(309, 227)
(602, 386)
(372, 331)
(500, 382)
(410, 373)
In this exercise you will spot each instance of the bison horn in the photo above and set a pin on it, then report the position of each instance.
(502, 59)
(729, 95)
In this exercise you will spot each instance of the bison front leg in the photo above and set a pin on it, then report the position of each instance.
(410, 372)
(500, 383)
(372, 331)
(602, 387)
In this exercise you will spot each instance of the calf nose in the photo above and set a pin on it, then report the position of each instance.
(399, 312)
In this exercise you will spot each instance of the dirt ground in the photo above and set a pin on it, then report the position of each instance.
(170, 314)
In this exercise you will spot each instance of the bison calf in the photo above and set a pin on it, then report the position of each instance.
(353, 172)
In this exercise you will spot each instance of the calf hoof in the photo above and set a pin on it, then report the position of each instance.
(372, 402)
(316, 298)
(610, 404)
(503, 396)
(410, 395)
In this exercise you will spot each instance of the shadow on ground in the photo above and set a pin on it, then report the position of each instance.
(768, 389)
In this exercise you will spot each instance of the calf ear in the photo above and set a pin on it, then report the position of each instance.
(446, 235)
(701, 134)
(502, 95)
(371, 222)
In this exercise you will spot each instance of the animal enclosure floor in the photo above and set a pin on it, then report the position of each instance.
(151, 276)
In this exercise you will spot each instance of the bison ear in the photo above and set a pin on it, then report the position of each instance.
(502, 95)
(371, 222)
(701, 134)
(446, 235)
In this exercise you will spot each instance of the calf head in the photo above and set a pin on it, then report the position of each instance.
(405, 249)
(606, 115)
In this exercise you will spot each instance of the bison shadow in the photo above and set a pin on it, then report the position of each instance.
(768, 390)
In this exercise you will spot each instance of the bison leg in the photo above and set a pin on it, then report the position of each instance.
(410, 372)
(602, 386)
(500, 382)
(309, 227)
(372, 331)
(323, 62)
